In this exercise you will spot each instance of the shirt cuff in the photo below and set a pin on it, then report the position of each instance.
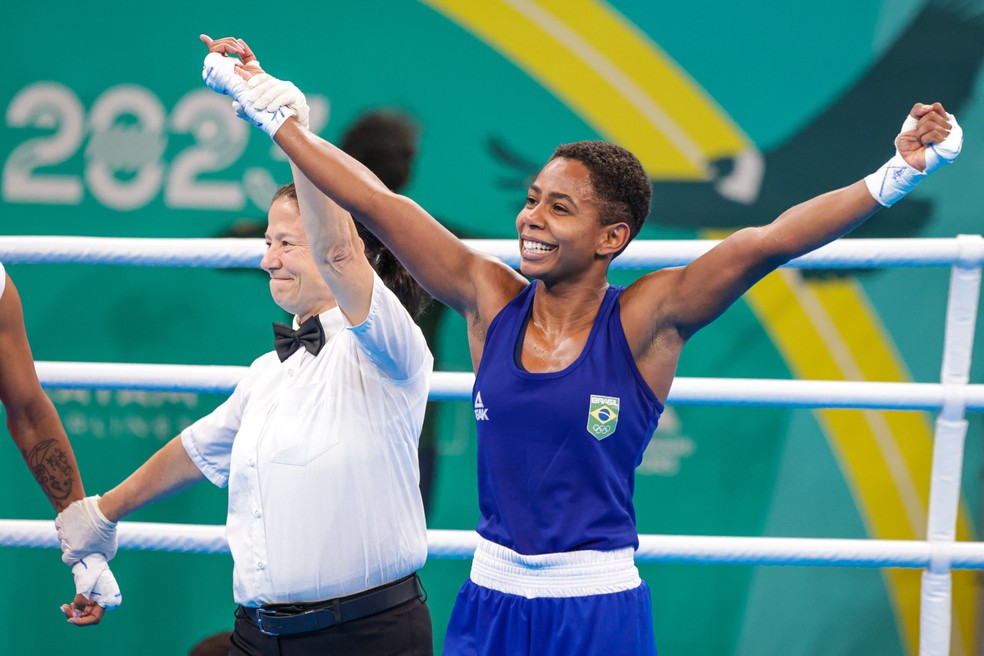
(212, 473)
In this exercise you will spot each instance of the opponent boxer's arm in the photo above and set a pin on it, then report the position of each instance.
(36, 429)
(31, 417)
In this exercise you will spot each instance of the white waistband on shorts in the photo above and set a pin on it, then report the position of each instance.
(569, 574)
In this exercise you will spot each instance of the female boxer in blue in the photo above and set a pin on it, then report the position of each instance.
(569, 369)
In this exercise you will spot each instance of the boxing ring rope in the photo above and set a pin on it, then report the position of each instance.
(938, 555)
(641, 254)
(451, 386)
(687, 549)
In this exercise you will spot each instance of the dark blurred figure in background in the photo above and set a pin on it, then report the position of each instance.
(213, 645)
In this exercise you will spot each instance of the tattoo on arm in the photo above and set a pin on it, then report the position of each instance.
(51, 468)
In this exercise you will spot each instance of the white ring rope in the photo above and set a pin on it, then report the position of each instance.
(201, 538)
(641, 254)
(447, 385)
(212, 253)
(937, 556)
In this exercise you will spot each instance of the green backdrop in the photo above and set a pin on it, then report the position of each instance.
(108, 131)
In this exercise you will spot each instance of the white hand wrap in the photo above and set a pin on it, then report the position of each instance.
(943, 153)
(264, 101)
(219, 73)
(82, 529)
(267, 93)
(95, 581)
(896, 178)
(269, 122)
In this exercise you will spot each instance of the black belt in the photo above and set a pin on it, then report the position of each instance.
(303, 618)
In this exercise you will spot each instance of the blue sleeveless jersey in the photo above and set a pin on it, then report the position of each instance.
(557, 451)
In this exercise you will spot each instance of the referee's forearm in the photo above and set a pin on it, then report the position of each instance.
(166, 473)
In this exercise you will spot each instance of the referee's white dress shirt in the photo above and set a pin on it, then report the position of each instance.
(320, 456)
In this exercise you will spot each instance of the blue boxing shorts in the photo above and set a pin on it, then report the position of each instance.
(584, 602)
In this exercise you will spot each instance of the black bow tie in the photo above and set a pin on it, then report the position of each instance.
(287, 340)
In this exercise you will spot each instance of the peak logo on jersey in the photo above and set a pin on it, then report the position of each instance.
(481, 412)
(602, 416)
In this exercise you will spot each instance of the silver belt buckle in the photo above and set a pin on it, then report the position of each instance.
(266, 620)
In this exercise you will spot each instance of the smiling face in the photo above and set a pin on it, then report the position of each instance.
(295, 282)
(560, 234)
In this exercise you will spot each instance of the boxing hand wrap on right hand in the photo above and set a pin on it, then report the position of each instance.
(95, 581)
(263, 100)
(269, 122)
(266, 93)
(896, 177)
(83, 529)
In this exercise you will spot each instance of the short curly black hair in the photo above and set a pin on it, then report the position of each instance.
(617, 177)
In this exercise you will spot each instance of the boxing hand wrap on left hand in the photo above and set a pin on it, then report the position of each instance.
(219, 74)
(896, 177)
(82, 529)
(95, 581)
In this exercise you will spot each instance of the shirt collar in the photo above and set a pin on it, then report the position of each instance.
(333, 321)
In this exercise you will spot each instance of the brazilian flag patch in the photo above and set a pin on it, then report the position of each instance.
(602, 416)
